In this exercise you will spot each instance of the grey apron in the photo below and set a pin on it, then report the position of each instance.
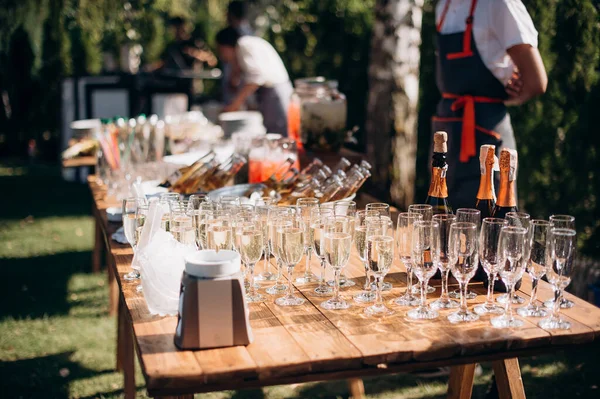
(471, 96)
(273, 104)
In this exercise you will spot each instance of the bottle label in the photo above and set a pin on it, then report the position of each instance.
(438, 187)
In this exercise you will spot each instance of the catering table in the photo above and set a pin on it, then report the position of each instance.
(308, 343)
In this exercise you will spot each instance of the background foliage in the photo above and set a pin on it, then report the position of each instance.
(42, 41)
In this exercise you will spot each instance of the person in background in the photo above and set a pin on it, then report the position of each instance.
(184, 51)
(262, 73)
(486, 59)
(237, 18)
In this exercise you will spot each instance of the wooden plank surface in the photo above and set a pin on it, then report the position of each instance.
(308, 343)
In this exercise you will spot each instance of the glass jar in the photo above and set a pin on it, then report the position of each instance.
(317, 114)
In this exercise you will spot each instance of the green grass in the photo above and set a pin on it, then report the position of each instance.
(57, 341)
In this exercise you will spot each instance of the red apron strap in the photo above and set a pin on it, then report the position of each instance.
(467, 104)
(443, 17)
(467, 51)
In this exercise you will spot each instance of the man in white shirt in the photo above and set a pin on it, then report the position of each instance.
(262, 72)
(487, 58)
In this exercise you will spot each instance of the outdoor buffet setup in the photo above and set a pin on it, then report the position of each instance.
(352, 308)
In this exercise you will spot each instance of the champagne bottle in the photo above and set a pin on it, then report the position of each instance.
(438, 190)
(507, 201)
(486, 196)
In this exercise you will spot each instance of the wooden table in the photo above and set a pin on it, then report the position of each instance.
(307, 343)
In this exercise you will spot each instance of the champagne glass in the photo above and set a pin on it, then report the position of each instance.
(360, 241)
(338, 243)
(318, 220)
(290, 244)
(463, 257)
(382, 208)
(304, 207)
(518, 219)
(346, 224)
(425, 258)
(489, 238)
(265, 201)
(425, 210)
(559, 269)
(164, 200)
(130, 206)
(196, 200)
(344, 208)
(140, 219)
(219, 231)
(562, 222)
(263, 215)
(226, 200)
(469, 215)
(201, 218)
(249, 243)
(536, 266)
(445, 220)
(380, 255)
(181, 223)
(511, 253)
(277, 217)
(404, 237)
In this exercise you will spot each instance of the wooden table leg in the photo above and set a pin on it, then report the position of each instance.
(126, 354)
(508, 379)
(121, 329)
(357, 388)
(98, 245)
(113, 292)
(460, 384)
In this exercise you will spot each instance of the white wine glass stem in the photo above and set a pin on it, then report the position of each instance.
(534, 286)
(378, 296)
(444, 296)
(336, 284)
(367, 278)
(323, 266)
(267, 264)
(490, 294)
(251, 288)
(463, 297)
(509, 308)
(290, 293)
(423, 292)
(556, 305)
(307, 264)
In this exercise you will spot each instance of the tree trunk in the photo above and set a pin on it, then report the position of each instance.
(391, 124)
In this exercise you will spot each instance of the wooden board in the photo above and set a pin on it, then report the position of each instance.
(308, 343)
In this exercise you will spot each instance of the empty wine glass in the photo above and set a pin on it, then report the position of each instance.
(518, 219)
(290, 244)
(559, 269)
(380, 255)
(489, 239)
(249, 243)
(344, 208)
(469, 215)
(536, 266)
(164, 200)
(338, 244)
(382, 208)
(561, 222)
(318, 220)
(445, 220)
(511, 253)
(304, 207)
(425, 259)
(360, 241)
(425, 210)
(463, 257)
(404, 237)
